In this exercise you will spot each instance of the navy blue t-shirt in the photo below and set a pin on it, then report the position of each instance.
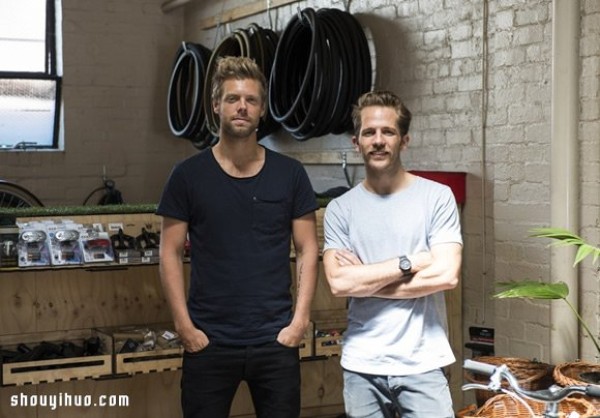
(240, 232)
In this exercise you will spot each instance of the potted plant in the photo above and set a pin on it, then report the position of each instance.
(529, 289)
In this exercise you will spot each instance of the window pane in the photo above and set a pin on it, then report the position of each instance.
(22, 35)
(27, 111)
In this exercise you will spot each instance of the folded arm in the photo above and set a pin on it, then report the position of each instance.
(433, 271)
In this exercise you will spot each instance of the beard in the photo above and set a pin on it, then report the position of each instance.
(233, 130)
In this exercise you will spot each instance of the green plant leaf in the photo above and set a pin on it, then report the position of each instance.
(566, 238)
(530, 289)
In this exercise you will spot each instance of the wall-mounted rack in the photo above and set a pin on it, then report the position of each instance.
(240, 12)
(232, 14)
(327, 157)
(170, 5)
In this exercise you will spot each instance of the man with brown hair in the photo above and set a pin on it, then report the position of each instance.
(392, 246)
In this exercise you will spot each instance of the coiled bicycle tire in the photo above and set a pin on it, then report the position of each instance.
(184, 100)
(254, 42)
(322, 65)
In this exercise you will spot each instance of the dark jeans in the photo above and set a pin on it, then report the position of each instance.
(211, 377)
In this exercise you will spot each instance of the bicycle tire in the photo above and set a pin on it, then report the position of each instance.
(14, 196)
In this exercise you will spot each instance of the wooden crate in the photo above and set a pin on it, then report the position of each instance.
(308, 342)
(329, 337)
(53, 370)
(131, 363)
(56, 370)
(149, 361)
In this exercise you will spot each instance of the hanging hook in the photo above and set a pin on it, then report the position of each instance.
(269, 14)
(217, 31)
(300, 15)
(345, 169)
(219, 21)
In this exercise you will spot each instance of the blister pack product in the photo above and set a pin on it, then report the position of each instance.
(9, 238)
(65, 246)
(96, 245)
(33, 245)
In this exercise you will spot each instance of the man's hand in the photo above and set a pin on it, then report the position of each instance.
(291, 336)
(193, 340)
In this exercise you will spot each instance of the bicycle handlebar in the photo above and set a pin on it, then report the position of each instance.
(552, 394)
(479, 367)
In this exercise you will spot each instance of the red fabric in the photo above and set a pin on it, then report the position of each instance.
(457, 181)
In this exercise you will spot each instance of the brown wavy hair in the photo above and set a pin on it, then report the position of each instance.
(382, 98)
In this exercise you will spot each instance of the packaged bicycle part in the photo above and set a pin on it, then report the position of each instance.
(9, 238)
(33, 246)
(65, 246)
(148, 243)
(125, 248)
(96, 245)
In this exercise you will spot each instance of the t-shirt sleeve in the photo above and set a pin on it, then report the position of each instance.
(335, 227)
(446, 220)
(305, 200)
(174, 199)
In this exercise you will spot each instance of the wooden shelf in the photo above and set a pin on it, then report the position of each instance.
(229, 15)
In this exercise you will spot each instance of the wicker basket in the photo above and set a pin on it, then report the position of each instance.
(531, 375)
(566, 374)
(505, 406)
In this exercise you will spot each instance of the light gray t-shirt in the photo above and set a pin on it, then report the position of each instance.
(389, 336)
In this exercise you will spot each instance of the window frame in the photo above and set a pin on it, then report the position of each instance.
(51, 73)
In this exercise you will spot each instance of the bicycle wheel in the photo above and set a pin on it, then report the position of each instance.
(14, 196)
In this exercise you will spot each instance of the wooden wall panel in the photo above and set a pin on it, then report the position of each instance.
(17, 303)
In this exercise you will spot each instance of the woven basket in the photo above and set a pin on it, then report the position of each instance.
(531, 375)
(566, 374)
(505, 406)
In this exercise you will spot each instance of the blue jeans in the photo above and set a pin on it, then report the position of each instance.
(211, 377)
(425, 395)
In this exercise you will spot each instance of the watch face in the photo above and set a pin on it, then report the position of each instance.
(405, 264)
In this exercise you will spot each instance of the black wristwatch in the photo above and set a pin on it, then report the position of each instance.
(405, 265)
